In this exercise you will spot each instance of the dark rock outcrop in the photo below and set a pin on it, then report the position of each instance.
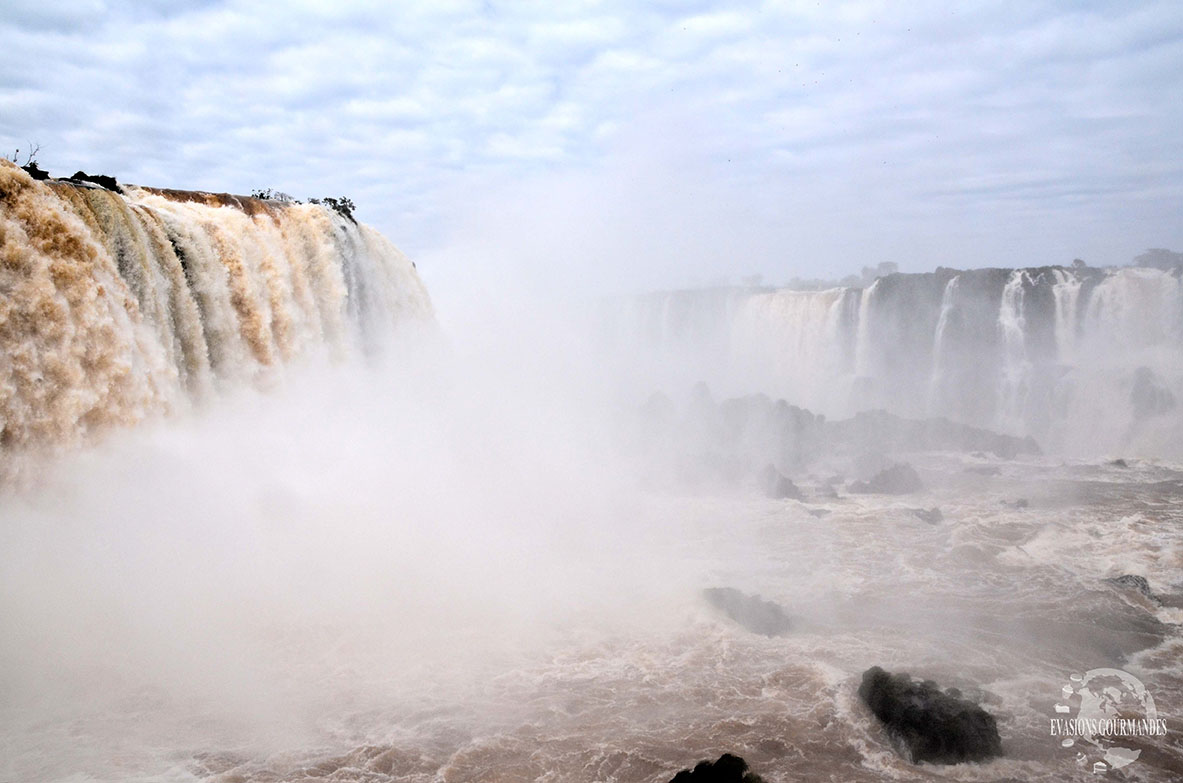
(102, 180)
(930, 515)
(750, 611)
(899, 479)
(777, 485)
(926, 724)
(879, 430)
(35, 171)
(728, 769)
(1135, 583)
(730, 441)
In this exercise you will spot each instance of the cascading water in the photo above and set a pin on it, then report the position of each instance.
(1039, 351)
(392, 572)
(812, 332)
(119, 307)
(1012, 392)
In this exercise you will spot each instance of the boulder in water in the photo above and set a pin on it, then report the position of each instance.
(901, 478)
(751, 611)
(930, 515)
(926, 724)
(728, 769)
(777, 485)
(1136, 583)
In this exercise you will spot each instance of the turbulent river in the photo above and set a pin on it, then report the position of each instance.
(578, 649)
(325, 554)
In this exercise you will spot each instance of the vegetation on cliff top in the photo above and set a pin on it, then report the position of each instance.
(343, 206)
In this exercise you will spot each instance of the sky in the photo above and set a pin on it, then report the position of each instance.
(618, 146)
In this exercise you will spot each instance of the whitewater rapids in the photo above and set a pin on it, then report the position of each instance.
(442, 566)
(395, 590)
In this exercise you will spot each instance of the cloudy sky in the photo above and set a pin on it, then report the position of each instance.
(618, 145)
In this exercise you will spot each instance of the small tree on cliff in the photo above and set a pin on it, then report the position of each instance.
(343, 206)
(30, 164)
(30, 156)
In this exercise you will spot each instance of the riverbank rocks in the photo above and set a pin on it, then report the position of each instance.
(750, 611)
(728, 769)
(926, 724)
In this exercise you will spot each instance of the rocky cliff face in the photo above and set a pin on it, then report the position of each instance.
(1082, 359)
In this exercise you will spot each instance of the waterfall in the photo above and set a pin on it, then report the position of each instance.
(116, 307)
(806, 338)
(1014, 377)
(1067, 293)
(1086, 360)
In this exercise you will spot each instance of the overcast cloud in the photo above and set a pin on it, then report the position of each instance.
(616, 145)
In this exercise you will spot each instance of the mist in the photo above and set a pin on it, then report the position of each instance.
(528, 442)
(472, 549)
(364, 533)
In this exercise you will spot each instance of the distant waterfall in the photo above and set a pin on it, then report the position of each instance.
(117, 307)
(1086, 360)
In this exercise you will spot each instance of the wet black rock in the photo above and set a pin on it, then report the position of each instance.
(102, 180)
(750, 611)
(930, 515)
(1119, 463)
(899, 479)
(1015, 504)
(926, 724)
(728, 769)
(35, 171)
(777, 485)
(1133, 582)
